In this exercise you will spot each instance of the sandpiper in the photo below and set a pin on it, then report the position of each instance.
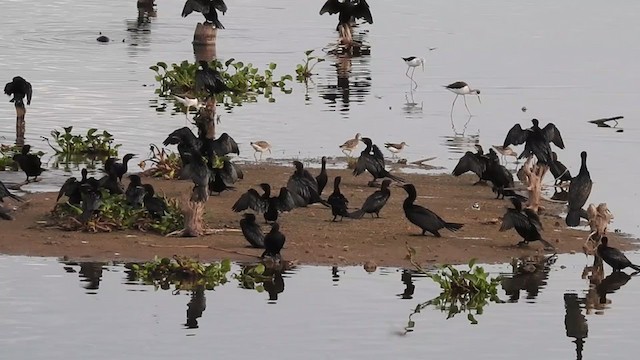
(350, 145)
(506, 151)
(260, 147)
(395, 148)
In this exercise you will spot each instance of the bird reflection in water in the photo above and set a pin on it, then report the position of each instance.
(274, 286)
(410, 287)
(601, 286)
(90, 274)
(530, 273)
(411, 106)
(335, 275)
(196, 306)
(459, 142)
(575, 323)
(139, 29)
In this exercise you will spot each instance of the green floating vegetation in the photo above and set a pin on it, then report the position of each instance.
(93, 143)
(246, 82)
(463, 291)
(303, 70)
(6, 157)
(116, 214)
(185, 273)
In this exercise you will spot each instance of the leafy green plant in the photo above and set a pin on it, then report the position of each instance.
(116, 214)
(182, 272)
(245, 81)
(165, 164)
(252, 277)
(303, 70)
(6, 157)
(93, 142)
(463, 291)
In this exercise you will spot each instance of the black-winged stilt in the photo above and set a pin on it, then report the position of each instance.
(462, 88)
(188, 103)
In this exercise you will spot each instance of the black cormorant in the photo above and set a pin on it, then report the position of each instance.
(71, 188)
(614, 257)
(536, 140)
(374, 202)
(154, 205)
(252, 231)
(526, 222)
(422, 217)
(19, 88)
(209, 79)
(339, 203)
(118, 169)
(135, 192)
(29, 163)
(207, 8)
(273, 242)
(4, 192)
(579, 191)
(558, 170)
(269, 205)
(348, 10)
(91, 202)
(322, 177)
(372, 160)
(304, 184)
(475, 162)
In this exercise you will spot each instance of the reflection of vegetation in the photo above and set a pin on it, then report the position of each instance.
(166, 164)
(252, 277)
(182, 272)
(463, 291)
(303, 70)
(6, 157)
(93, 143)
(245, 81)
(529, 273)
(116, 214)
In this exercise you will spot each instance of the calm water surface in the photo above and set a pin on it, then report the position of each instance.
(55, 310)
(564, 61)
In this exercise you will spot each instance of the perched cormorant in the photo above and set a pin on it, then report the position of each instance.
(614, 257)
(135, 192)
(558, 170)
(475, 162)
(207, 8)
(110, 183)
(348, 10)
(218, 184)
(422, 217)
(29, 163)
(71, 188)
(339, 203)
(322, 177)
(221, 146)
(154, 205)
(500, 177)
(579, 191)
(372, 160)
(200, 174)
(374, 202)
(91, 201)
(526, 222)
(304, 184)
(209, 79)
(118, 169)
(269, 205)
(252, 231)
(536, 140)
(19, 88)
(4, 192)
(273, 242)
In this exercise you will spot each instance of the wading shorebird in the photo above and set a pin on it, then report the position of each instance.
(462, 88)
(350, 145)
(188, 103)
(506, 151)
(395, 148)
(260, 147)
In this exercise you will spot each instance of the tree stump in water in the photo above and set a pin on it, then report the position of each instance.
(534, 174)
(193, 223)
(205, 34)
(20, 123)
(204, 52)
(206, 119)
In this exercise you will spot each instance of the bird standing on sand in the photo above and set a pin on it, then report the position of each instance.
(269, 205)
(302, 183)
(462, 88)
(422, 217)
(29, 163)
(156, 206)
(559, 170)
(536, 140)
(526, 222)
(273, 242)
(475, 162)
(188, 103)
(339, 203)
(374, 202)
(322, 177)
(252, 231)
(19, 88)
(207, 8)
(395, 148)
(260, 147)
(614, 257)
(350, 145)
(579, 191)
(372, 160)
(117, 169)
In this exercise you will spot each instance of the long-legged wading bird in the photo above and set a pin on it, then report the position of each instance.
(269, 206)
(614, 257)
(339, 203)
(412, 63)
(188, 103)
(559, 170)
(207, 8)
(372, 160)
(273, 242)
(462, 88)
(424, 218)
(348, 10)
(252, 231)
(579, 191)
(395, 148)
(29, 163)
(374, 202)
(4, 192)
(322, 177)
(19, 88)
(304, 184)
(536, 140)
(209, 79)
(260, 147)
(350, 145)
(525, 221)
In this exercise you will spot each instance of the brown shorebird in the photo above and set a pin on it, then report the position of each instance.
(506, 151)
(395, 148)
(260, 147)
(350, 145)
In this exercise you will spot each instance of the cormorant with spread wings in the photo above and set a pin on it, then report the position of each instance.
(536, 140)
(347, 10)
(207, 8)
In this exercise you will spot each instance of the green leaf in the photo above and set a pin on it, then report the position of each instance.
(162, 64)
(154, 68)
(472, 262)
(308, 52)
(260, 288)
(472, 319)
(272, 66)
(259, 269)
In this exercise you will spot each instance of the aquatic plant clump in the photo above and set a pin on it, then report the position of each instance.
(182, 272)
(244, 80)
(116, 214)
(463, 291)
(304, 70)
(94, 142)
(6, 157)
(165, 164)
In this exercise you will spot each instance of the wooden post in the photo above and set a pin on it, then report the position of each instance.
(20, 123)
(205, 34)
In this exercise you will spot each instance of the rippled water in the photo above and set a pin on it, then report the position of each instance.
(57, 310)
(565, 62)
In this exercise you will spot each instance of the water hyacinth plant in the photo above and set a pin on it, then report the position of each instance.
(94, 142)
(303, 71)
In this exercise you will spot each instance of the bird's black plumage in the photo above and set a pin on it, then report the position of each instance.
(269, 205)
(208, 8)
(579, 191)
(558, 170)
(19, 88)
(614, 257)
(209, 79)
(273, 242)
(135, 192)
(372, 160)
(348, 10)
(500, 177)
(339, 203)
(422, 217)
(156, 206)
(71, 188)
(475, 162)
(252, 231)
(29, 163)
(322, 177)
(525, 221)
(91, 201)
(4, 192)
(536, 140)
(111, 166)
(302, 183)
(374, 202)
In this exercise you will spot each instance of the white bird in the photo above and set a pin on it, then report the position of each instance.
(260, 147)
(188, 103)
(462, 88)
(412, 63)
(350, 145)
(395, 148)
